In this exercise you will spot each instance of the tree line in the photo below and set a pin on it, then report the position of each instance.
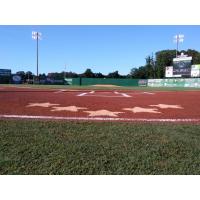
(153, 68)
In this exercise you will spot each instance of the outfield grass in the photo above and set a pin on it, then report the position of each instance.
(47, 147)
(90, 87)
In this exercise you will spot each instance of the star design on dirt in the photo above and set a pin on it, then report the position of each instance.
(167, 106)
(102, 113)
(139, 110)
(68, 108)
(46, 105)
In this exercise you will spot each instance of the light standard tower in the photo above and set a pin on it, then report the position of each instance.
(178, 38)
(36, 36)
(65, 72)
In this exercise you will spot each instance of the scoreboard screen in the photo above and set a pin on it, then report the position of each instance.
(5, 72)
(182, 66)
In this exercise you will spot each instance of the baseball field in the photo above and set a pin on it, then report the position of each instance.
(99, 130)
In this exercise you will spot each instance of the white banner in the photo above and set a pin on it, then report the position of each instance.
(195, 71)
(169, 71)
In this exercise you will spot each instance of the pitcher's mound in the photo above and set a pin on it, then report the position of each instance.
(106, 85)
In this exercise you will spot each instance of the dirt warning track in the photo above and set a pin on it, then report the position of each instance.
(106, 105)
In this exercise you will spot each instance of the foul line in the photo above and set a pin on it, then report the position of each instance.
(82, 94)
(148, 93)
(97, 118)
(60, 91)
(125, 95)
(103, 96)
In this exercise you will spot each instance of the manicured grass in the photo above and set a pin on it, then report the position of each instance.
(47, 147)
(89, 87)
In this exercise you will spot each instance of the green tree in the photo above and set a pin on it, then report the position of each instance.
(28, 75)
(88, 73)
(195, 56)
(42, 76)
(22, 74)
(99, 75)
(149, 67)
(134, 72)
(140, 72)
(163, 58)
(114, 75)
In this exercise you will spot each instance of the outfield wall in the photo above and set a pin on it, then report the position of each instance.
(169, 82)
(105, 81)
(174, 82)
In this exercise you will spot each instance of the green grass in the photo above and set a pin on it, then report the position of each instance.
(89, 87)
(47, 147)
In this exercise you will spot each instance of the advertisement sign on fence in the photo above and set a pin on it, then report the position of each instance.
(142, 82)
(68, 81)
(16, 79)
(174, 82)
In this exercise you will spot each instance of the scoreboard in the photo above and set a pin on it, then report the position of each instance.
(5, 76)
(182, 66)
(5, 72)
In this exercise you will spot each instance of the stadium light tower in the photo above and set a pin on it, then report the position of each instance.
(37, 36)
(65, 71)
(178, 38)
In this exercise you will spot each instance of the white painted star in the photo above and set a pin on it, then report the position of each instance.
(47, 104)
(68, 108)
(167, 106)
(102, 113)
(139, 110)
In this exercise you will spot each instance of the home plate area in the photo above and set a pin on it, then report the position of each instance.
(133, 106)
(104, 94)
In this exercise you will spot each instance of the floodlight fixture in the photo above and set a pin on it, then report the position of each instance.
(177, 39)
(37, 36)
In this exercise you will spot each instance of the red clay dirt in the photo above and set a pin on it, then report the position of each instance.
(108, 105)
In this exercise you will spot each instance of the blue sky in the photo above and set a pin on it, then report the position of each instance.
(102, 48)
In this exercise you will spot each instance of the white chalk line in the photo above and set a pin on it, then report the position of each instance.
(148, 93)
(60, 91)
(100, 95)
(85, 93)
(103, 96)
(97, 118)
(82, 94)
(20, 86)
(125, 95)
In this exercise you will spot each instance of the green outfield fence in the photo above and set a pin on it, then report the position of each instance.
(169, 82)
(174, 82)
(105, 81)
(166, 82)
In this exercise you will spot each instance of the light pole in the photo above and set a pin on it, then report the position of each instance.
(36, 36)
(178, 38)
(65, 72)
